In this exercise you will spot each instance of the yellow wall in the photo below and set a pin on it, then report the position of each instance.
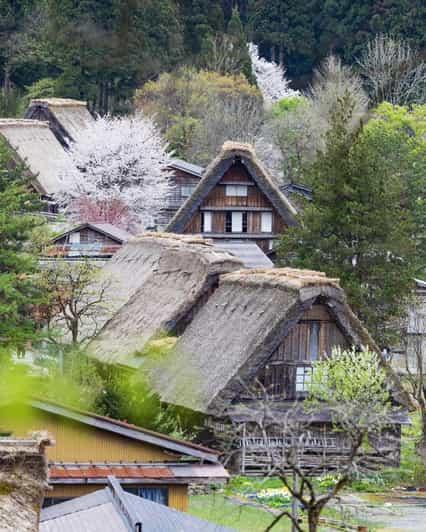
(178, 495)
(77, 442)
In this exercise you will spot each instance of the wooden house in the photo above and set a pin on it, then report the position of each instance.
(89, 448)
(261, 330)
(113, 509)
(66, 117)
(33, 143)
(95, 240)
(157, 283)
(236, 199)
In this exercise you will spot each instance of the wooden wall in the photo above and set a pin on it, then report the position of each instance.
(76, 442)
(178, 494)
(255, 202)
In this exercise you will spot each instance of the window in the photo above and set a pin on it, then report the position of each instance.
(158, 495)
(314, 333)
(266, 222)
(236, 222)
(206, 222)
(303, 378)
(74, 238)
(187, 190)
(236, 190)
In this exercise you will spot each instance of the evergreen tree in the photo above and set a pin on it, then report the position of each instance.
(240, 46)
(356, 227)
(18, 289)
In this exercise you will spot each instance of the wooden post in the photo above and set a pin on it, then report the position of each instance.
(243, 451)
(295, 502)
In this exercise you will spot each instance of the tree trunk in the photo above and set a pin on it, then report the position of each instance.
(421, 448)
(6, 86)
(313, 519)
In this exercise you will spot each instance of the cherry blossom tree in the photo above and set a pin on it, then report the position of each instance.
(118, 173)
(270, 78)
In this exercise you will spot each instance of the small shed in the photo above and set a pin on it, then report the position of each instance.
(112, 509)
(91, 239)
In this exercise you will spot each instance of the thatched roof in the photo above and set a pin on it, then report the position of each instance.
(215, 171)
(23, 481)
(66, 117)
(239, 327)
(36, 145)
(157, 280)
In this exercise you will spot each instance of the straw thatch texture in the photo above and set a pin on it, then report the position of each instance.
(66, 117)
(157, 281)
(23, 482)
(36, 145)
(237, 330)
(215, 171)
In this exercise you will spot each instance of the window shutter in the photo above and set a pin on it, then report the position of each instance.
(266, 222)
(237, 222)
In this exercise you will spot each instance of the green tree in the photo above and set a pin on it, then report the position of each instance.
(356, 228)
(238, 37)
(198, 111)
(19, 292)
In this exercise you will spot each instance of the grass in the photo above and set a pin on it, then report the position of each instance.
(217, 509)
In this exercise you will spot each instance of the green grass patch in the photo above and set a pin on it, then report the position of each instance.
(217, 509)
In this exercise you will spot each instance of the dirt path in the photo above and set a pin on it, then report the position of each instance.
(396, 512)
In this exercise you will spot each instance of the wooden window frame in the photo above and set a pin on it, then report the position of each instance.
(236, 191)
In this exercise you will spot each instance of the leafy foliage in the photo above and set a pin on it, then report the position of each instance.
(198, 111)
(355, 228)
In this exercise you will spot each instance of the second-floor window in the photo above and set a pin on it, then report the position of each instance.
(239, 191)
(187, 190)
(236, 222)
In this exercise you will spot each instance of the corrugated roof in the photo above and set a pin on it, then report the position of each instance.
(127, 429)
(37, 146)
(104, 471)
(194, 169)
(115, 510)
(249, 252)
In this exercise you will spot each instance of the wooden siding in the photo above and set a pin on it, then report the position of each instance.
(315, 333)
(220, 203)
(178, 494)
(88, 236)
(76, 442)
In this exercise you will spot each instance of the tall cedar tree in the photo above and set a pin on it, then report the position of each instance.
(240, 46)
(356, 228)
(18, 291)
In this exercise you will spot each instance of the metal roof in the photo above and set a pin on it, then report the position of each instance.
(194, 169)
(249, 252)
(114, 510)
(114, 232)
(128, 430)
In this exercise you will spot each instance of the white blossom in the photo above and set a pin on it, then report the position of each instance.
(270, 78)
(119, 161)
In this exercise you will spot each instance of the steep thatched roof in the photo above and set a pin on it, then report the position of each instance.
(36, 145)
(66, 117)
(23, 481)
(239, 327)
(215, 171)
(157, 280)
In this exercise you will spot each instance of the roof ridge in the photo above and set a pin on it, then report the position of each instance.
(125, 424)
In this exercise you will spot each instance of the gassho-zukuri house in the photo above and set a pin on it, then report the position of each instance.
(233, 328)
(236, 199)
